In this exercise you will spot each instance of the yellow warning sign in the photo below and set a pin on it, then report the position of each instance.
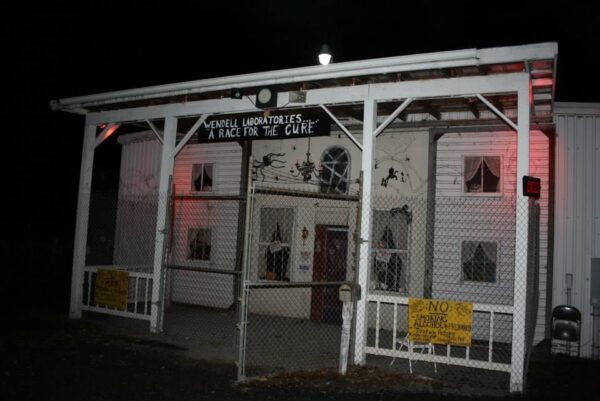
(111, 288)
(440, 322)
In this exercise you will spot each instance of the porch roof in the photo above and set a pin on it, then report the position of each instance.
(539, 60)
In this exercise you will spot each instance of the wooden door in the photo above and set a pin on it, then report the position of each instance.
(330, 256)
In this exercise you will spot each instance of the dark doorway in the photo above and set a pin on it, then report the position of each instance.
(330, 254)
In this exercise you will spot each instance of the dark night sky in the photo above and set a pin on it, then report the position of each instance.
(54, 50)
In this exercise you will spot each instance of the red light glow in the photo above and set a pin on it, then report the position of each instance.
(111, 130)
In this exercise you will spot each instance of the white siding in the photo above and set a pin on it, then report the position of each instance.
(138, 187)
(577, 207)
(461, 217)
(406, 151)
(226, 156)
(308, 212)
(220, 216)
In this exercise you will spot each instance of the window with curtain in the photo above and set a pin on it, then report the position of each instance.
(202, 177)
(275, 243)
(390, 250)
(335, 170)
(479, 261)
(482, 174)
(199, 243)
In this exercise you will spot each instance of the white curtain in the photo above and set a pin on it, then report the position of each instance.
(472, 166)
(493, 163)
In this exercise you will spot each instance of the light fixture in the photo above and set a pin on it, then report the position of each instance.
(307, 168)
(324, 55)
(236, 93)
(304, 234)
(266, 97)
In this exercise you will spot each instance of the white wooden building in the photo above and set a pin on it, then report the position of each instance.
(454, 132)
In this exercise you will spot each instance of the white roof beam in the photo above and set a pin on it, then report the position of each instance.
(342, 127)
(392, 116)
(497, 112)
(434, 88)
(427, 61)
(189, 134)
(155, 130)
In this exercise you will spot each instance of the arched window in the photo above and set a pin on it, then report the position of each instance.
(335, 170)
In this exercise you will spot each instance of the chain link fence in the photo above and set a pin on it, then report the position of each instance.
(205, 246)
(460, 253)
(441, 299)
(302, 248)
(121, 236)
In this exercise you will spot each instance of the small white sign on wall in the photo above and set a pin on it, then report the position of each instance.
(305, 256)
(304, 268)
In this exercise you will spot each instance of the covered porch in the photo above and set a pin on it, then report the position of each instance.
(430, 92)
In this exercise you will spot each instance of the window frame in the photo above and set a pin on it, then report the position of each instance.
(214, 175)
(500, 192)
(262, 245)
(189, 257)
(405, 255)
(349, 168)
(463, 279)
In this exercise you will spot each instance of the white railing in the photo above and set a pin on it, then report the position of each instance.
(446, 357)
(139, 291)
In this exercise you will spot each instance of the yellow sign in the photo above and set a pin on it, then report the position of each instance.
(111, 288)
(440, 322)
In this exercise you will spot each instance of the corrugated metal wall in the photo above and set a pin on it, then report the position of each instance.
(577, 207)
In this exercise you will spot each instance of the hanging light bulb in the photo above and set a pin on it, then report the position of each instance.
(325, 55)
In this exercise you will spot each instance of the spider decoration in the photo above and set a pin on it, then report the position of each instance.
(268, 161)
(392, 174)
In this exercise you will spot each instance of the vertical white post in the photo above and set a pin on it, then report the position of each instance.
(166, 169)
(81, 224)
(517, 372)
(345, 339)
(369, 126)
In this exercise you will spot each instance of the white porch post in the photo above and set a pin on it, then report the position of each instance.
(369, 126)
(81, 224)
(166, 169)
(517, 373)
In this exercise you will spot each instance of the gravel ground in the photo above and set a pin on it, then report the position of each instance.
(60, 359)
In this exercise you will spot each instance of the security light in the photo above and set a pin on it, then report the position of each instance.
(325, 55)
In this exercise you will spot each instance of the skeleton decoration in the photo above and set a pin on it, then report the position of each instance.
(268, 161)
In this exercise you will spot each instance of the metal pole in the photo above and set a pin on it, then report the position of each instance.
(243, 296)
(596, 331)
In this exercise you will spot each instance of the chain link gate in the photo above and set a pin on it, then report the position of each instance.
(301, 247)
(203, 267)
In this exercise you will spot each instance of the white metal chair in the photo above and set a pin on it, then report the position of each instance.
(412, 346)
